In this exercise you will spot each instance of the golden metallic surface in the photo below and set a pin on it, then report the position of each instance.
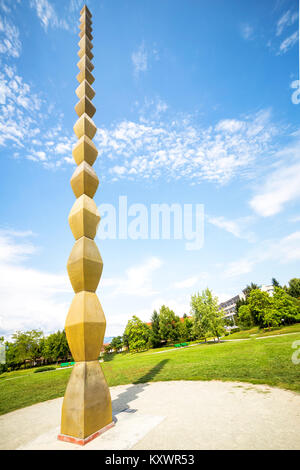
(85, 75)
(84, 218)
(85, 265)
(86, 28)
(87, 402)
(87, 34)
(85, 105)
(85, 63)
(84, 180)
(85, 127)
(85, 44)
(84, 18)
(85, 10)
(85, 151)
(85, 327)
(85, 89)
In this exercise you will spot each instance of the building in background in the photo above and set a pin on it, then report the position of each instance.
(229, 306)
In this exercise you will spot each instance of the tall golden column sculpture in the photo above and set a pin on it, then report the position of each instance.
(86, 410)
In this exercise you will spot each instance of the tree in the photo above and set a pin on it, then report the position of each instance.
(107, 348)
(287, 307)
(275, 283)
(250, 288)
(116, 343)
(244, 316)
(125, 341)
(186, 329)
(239, 303)
(169, 324)
(138, 334)
(294, 287)
(261, 304)
(56, 347)
(155, 339)
(208, 319)
(26, 345)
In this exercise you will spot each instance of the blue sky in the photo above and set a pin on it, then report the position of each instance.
(194, 106)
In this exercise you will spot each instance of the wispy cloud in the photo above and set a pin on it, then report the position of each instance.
(190, 281)
(24, 126)
(137, 280)
(140, 60)
(47, 15)
(281, 185)
(247, 31)
(76, 5)
(179, 148)
(283, 251)
(288, 43)
(10, 43)
(239, 228)
(287, 19)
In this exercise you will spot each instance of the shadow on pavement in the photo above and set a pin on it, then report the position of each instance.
(131, 393)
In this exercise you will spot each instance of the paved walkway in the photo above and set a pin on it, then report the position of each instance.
(172, 415)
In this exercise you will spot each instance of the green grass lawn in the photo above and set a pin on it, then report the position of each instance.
(267, 361)
(255, 331)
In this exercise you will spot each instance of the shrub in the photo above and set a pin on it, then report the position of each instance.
(44, 369)
(235, 330)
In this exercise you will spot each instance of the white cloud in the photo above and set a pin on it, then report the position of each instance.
(280, 187)
(247, 31)
(230, 125)
(287, 19)
(140, 59)
(7, 5)
(10, 43)
(239, 227)
(137, 280)
(288, 43)
(30, 298)
(186, 283)
(47, 15)
(283, 251)
(178, 148)
(76, 5)
(23, 119)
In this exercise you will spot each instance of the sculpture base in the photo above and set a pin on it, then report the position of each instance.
(86, 440)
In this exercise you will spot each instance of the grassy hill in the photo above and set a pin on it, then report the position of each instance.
(264, 361)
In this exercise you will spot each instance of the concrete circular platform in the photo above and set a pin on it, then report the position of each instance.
(172, 415)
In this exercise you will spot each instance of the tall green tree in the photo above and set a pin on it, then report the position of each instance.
(169, 324)
(208, 319)
(27, 345)
(56, 347)
(155, 334)
(238, 304)
(249, 288)
(125, 340)
(294, 287)
(262, 310)
(286, 306)
(275, 283)
(245, 319)
(116, 343)
(186, 329)
(138, 334)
